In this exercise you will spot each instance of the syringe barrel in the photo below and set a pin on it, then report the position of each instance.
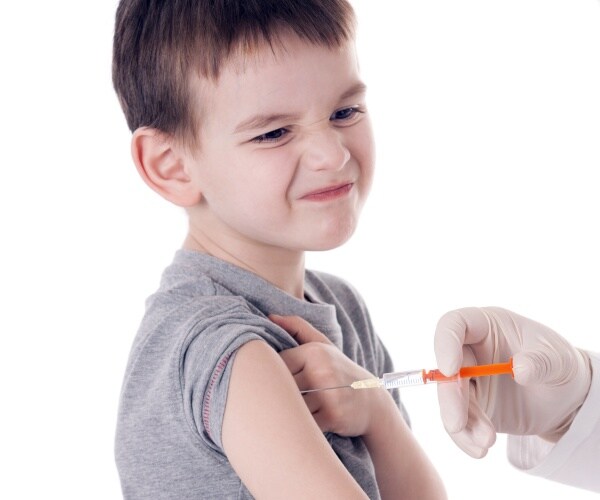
(403, 379)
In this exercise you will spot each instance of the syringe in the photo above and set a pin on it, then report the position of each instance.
(422, 377)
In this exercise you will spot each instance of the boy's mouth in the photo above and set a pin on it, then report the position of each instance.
(329, 193)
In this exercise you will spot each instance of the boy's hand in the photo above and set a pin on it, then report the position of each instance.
(317, 363)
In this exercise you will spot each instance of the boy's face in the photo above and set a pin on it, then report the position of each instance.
(286, 152)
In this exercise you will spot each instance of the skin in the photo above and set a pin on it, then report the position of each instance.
(402, 468)
(263, 187)
(284, 165)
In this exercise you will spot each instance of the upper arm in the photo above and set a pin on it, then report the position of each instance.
(270, 437)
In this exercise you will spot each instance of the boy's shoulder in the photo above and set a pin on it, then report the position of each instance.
(197, 276)
(196, 286)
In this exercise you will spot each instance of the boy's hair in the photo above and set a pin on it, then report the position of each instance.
(159, 43)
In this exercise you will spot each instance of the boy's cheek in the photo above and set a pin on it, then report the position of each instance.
(362, 143)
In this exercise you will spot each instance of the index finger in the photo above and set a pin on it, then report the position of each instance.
(302, 331)
(455, 329)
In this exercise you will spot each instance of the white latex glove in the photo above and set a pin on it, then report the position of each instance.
(551, 378)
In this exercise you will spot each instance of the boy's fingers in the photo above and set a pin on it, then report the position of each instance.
(301, 330)
(295, 361)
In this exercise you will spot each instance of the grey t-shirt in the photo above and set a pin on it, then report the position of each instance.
(168, 439)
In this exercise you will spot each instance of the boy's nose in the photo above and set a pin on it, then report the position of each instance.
(325, 150)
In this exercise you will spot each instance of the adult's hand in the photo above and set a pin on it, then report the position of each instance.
(551, 378)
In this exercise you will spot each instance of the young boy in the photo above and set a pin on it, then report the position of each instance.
(251, 115)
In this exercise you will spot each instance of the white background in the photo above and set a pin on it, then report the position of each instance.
(487, 118)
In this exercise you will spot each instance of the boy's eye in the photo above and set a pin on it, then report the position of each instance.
(346, 113)
(272, 136)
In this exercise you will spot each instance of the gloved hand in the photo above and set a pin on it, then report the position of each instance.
(551, 378)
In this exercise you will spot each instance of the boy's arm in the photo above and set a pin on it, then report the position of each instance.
(270, 437)
(402, 468)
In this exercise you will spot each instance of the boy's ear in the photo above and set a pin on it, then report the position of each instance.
(161, 165)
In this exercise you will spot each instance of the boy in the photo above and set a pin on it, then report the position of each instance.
(251, 115)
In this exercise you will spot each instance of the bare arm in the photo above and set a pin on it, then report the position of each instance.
(270, 437)
(402, 468)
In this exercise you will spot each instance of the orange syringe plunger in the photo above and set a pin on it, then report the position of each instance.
(470, 371)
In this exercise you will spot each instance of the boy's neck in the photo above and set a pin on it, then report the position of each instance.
(282, 268)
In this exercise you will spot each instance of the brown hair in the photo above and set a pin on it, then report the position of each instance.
(158, 43)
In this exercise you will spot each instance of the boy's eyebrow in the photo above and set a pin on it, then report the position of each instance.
(262, 121)
(357, 88)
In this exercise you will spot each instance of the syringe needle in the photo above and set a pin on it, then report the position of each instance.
(324, 389)
(357, 384)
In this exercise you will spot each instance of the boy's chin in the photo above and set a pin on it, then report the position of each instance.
(332, 241)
